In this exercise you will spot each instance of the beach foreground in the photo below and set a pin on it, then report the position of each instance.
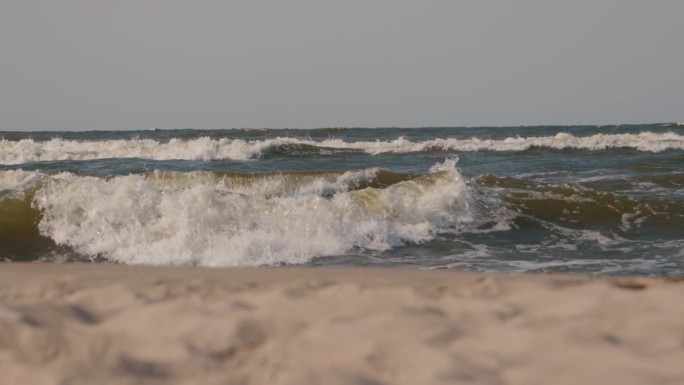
(112, 324)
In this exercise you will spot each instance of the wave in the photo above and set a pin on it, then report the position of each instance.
(214, 219)
(582, 207)
(205, 148)
(234, 219)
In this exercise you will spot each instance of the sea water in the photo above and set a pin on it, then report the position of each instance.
(597, 200)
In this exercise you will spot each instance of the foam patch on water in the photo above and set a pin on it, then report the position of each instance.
(28, 150)
(133, 219)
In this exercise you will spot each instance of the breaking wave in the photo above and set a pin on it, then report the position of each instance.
(214, 219)
(205, 148)
(241, 219)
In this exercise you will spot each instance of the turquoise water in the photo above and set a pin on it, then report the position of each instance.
(598, 200)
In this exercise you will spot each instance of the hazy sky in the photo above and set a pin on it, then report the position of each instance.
(315, 63)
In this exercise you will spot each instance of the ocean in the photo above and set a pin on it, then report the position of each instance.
(571, 199)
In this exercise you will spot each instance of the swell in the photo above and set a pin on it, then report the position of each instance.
(209, 148)
(581, 207)
(281, 183)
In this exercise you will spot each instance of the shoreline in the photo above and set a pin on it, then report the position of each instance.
(117, 324)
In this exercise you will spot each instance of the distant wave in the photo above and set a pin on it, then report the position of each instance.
(205, 149)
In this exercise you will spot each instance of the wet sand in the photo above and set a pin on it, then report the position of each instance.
(111, 324)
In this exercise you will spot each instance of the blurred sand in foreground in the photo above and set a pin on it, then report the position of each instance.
(110, 324)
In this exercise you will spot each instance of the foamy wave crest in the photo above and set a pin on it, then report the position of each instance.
(13, 183)
(207, 221)
(28, 150)
(646, 141)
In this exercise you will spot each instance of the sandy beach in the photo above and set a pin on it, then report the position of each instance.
(111, 324)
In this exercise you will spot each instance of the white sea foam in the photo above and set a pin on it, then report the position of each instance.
(14, 183)
(135, 219)
(646, 141)
(28, 150)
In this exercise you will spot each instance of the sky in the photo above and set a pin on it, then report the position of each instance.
(137, 64)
